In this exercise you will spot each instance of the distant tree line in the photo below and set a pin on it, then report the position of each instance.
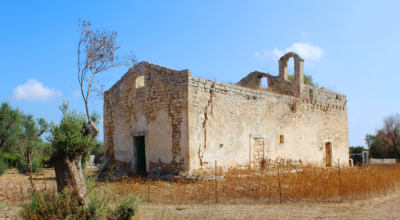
(385, 143)
(22, 145)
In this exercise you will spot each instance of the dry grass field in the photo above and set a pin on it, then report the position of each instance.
(306, 192)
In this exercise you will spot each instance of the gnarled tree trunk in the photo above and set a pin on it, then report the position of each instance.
(69, 174)
(69, 171)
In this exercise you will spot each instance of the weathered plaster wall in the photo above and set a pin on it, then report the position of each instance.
(222, 117)
(190, 122)
(158, 110)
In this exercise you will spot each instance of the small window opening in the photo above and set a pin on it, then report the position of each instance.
(337, 97)
(139, 82)
(264, 83)
(281, 139)
(311, 94)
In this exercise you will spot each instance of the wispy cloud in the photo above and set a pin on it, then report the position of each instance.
(304, 34)
(34, 90)
(307, 51)
(349, 104)
(76, 94)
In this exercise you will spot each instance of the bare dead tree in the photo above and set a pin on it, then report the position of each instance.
(96, 54)
(391, 133)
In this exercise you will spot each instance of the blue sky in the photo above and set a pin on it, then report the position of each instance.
(350, 47)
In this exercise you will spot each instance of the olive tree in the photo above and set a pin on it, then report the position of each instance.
(96, 51)
(10, 127)
(30, 137)
(70, 143)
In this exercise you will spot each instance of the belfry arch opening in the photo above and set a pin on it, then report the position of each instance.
(290, 66)
(298, 70)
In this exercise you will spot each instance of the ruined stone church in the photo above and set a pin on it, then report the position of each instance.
(160, 119)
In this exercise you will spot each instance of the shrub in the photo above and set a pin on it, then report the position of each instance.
(99, 199)
(3, 166)
(3, 205)
(12, 159)
(45, 162)
(49, 204)
(128, 206)
(23, 167)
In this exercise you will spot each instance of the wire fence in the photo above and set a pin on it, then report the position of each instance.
(269, 185)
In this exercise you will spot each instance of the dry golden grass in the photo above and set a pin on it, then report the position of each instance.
(309, 184)
(304, 189)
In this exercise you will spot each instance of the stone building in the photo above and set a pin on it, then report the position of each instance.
(160, 119)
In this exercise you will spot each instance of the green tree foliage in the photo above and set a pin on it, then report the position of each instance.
(10, 127)
(377, 146)
(97, 150)
(30, 140)
(3, 166)
(358, 149)
(20, 133)
(34, 166)
(12, 158)
(67, 137)
(308, 80)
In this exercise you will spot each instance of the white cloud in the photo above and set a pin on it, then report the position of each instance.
(356, 111)
(34, 90)
(76, 94)
(304, 34)
(307, 51)
(349, 104)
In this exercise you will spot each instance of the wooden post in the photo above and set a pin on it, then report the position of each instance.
(279, 180)
(216, 184)
(340, 182)
(148, 198)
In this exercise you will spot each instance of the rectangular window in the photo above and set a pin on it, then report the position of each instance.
(139, 82)
(281, 139)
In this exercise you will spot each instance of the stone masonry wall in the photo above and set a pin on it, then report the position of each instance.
(223, 118)
(158, 110)
(188, 122)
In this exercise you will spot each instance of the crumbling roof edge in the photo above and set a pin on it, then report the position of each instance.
(146, 64)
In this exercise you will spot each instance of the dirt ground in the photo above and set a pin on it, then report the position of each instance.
(387, 207)
(377, 208)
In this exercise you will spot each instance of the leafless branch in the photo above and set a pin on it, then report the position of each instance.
(96, 54)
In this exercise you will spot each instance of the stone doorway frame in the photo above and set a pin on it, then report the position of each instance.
(328, 154)
(257, 136)
(132, 135)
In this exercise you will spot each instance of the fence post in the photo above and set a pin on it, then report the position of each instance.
(216, 184)
(279, 180)
(340, 182)
(148, 193)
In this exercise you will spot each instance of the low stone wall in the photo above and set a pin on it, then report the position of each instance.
(384, 161)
